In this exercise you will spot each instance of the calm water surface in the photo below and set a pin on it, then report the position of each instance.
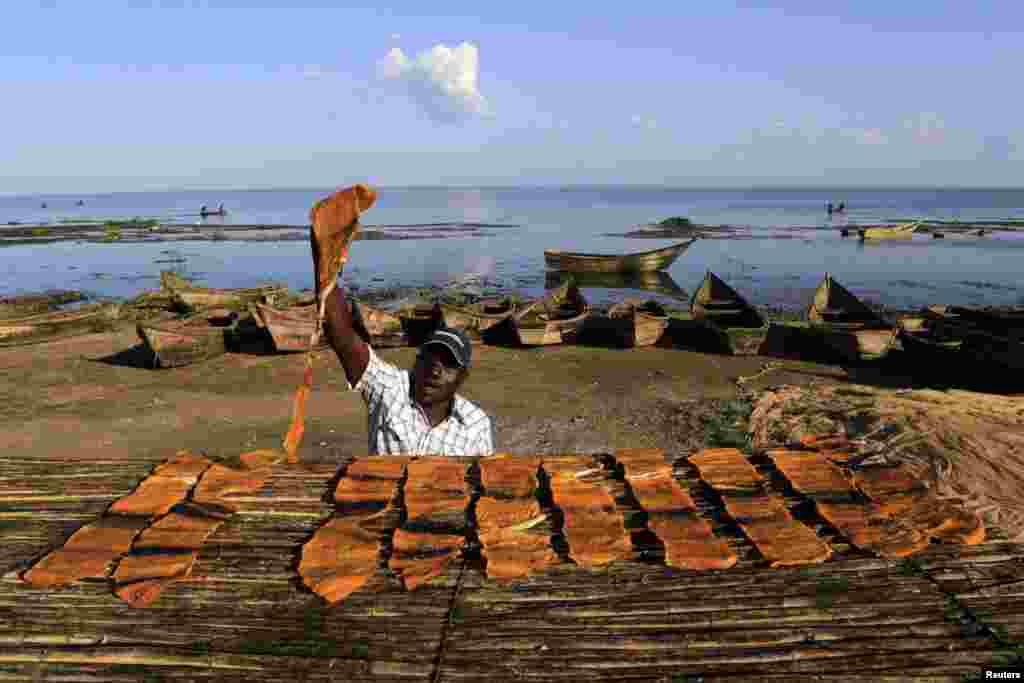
(766, 269)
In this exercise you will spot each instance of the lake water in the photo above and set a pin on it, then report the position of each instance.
(767, 269)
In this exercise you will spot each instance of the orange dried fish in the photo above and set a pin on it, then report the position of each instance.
(341, 557)
(593, 526)
(219, 482)
(505, 514)
(166, 551)
(810, 473)
(782, 540)
(689, 540)
(900, 494)
(168, 485)
(726, 469)
(335, 222)
(371, 480)
(418, 557)
(87, 553)
(434, 486)
(91, 549)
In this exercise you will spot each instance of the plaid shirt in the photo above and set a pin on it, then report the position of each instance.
(397, 426)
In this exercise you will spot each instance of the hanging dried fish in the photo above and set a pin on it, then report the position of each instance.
(335, 222)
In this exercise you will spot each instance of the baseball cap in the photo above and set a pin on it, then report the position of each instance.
(455, 341)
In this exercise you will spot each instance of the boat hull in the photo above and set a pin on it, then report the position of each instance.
(657, 281)
(182, 344)
(379, 328)
(290, 328)
(196, 298)
(631, 326)
(475, 319)
(890, 233)
(656, 259)
(55, 325)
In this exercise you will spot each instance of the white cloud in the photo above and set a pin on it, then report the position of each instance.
(442, 81)
(396, 37)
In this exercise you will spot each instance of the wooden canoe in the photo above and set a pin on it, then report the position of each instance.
(1003, 323)
(189, 297)
(419, 320)
(175, 343)
(656, 259)
(290, 328)
(657, 281)
(834, 305)
(378, 328)
(848, 325)
(556, 318)
(637, 324)
(473, 319)
(925, 351)
(904, 231)
(25, 305)
(716, 301)
(994, 352)
(57, 324)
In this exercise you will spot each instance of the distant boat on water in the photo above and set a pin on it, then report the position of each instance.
(219, 211)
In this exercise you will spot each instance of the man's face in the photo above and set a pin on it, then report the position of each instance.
(436, 375)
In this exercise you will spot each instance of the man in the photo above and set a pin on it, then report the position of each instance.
(417, 411)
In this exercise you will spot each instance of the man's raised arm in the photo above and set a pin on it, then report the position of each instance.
(352, 351)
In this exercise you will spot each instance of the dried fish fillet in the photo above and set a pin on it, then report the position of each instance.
(689, 540)
(506, 513)
(782, 540)
(166, 551)
(335, 222)
(726, 469)
(434, 487)
(341, 557)
(593, 526)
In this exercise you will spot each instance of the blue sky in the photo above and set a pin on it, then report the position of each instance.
(108, 95)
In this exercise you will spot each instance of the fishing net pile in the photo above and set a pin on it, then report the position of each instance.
(968, 446)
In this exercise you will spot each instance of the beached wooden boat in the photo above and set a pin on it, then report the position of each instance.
(174, 343)
(188, 297)
(196, 298)
(378, 328)
(849, 326)
(905, 231)
(419, 320)
(1000, 322)
(473, 319)
(637, 324)
(556, 318)
(290, 328)
(995, 353)
(657, 281)
(656, 259)
(926, 351)
(718, 302)
(25, 305)
(44, 327)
